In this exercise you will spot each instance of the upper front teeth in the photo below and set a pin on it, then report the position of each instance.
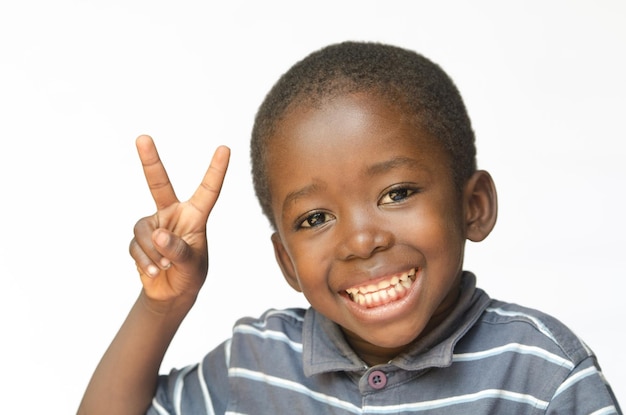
(365, 289)
(386, 291)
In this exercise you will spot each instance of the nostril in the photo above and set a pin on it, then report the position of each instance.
(365, 243)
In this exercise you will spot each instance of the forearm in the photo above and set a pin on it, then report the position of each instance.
(125, 379)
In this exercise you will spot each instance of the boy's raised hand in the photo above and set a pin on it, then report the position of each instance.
(170, 247)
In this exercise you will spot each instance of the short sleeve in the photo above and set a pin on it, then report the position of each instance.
(585, 391)
(201, 388)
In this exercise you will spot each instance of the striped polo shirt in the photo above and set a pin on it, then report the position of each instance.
(487, 357)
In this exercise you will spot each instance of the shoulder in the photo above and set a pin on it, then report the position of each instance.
(509, 323)
(270, 323)
(274, 330)
(275, 317)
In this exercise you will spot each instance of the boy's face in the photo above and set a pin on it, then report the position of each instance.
(370, 226)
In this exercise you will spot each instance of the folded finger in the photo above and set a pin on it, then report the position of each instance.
(143, 250)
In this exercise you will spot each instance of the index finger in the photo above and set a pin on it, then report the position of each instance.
(208, 191)
(156, 176)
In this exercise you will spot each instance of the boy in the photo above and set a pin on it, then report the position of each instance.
(363, 161)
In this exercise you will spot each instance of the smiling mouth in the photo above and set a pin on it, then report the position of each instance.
(386, 291)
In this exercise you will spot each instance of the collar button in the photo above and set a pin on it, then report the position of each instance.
(377, 379)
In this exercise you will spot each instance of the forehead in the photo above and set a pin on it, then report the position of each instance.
(356, 127)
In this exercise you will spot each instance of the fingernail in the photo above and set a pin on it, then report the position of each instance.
(165, 263)
(162, 239)
(152, 270)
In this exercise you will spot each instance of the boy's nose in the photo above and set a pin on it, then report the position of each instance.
(362, 238)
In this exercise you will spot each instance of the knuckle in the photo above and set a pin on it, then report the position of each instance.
(132, 247)
(141, 225)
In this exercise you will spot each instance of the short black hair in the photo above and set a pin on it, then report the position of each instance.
(401, 76)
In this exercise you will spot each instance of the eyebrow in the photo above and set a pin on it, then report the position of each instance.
(292, 197)
(385, 166)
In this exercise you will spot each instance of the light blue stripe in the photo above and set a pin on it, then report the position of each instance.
(294, 387)
(514, 348)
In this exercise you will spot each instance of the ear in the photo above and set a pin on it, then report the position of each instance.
(284, 262)
(481, 206)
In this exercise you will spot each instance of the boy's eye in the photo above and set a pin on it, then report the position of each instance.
(315, 219)
(396, 195)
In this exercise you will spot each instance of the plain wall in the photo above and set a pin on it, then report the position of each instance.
(79, 80)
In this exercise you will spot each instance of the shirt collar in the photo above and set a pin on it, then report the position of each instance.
(326, 350)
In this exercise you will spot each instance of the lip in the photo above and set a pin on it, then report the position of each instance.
(390, 310)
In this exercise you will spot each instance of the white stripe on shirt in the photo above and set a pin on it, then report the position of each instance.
(178, 388)
(590, 371)
(294, 387)
(159, 408)
(269, 334)
(605, 411)
(456, 400)
(208, 403)
(515, 348)
(538, 323)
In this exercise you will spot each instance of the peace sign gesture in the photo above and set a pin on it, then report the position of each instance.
(170, 247)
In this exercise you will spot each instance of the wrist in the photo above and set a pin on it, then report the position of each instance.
(176, 306)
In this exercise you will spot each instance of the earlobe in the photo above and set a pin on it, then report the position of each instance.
(481, 206)
(284, 262)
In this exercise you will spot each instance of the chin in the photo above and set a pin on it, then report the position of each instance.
(391, 338)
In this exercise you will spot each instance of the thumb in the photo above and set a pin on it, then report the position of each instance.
(171, 246)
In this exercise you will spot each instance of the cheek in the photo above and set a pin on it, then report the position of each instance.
(434, 229)
(311, 262)
(314, 270)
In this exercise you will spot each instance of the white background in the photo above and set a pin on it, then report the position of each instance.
(79, 80)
